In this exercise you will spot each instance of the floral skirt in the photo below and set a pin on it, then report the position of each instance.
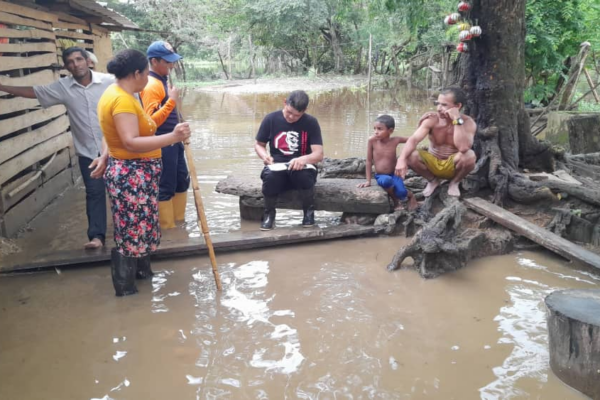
(132, 187)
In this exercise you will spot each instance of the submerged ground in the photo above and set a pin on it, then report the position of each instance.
(311, 321)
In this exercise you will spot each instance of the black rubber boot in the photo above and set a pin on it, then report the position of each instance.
(143, 270)
(268, 219)
(308, 206)
(123, 273)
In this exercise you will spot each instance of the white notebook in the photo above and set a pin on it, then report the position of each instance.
(284, 166)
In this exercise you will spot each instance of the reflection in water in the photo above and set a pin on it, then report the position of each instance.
(272, 345)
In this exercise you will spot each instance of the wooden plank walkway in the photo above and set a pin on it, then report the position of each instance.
(235, 241)
(541, 236)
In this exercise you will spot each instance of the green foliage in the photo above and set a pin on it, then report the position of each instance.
(587, 106)
(555, 31)
(312, 35)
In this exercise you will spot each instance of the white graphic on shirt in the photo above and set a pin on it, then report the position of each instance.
(287, 142)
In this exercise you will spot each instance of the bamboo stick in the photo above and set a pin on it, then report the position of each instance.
(201, 215)
(202, 222)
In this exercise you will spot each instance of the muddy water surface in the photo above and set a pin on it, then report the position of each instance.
(319, 321)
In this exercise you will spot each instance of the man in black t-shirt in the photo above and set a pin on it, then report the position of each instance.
(295, 147)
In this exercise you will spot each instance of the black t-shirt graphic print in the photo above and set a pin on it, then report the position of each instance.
(288, 141)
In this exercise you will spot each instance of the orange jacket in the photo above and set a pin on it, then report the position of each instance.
(152, 97)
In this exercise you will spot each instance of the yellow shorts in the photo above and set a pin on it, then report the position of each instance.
(443, 169)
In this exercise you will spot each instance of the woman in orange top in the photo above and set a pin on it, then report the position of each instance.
(133, 170)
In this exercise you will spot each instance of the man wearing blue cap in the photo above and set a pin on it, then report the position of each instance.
(160, 102)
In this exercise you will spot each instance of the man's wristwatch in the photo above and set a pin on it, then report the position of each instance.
(458, 121)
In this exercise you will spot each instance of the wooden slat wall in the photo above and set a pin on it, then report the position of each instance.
(36, 148)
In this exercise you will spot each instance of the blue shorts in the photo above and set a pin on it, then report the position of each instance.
(391, 180)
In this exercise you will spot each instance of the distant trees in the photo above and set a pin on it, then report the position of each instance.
(325, 36)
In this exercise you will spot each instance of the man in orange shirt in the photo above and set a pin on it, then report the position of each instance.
(160, 103)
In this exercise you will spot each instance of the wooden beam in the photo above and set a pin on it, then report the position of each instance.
(11, 19)
(19, 122)
(99, 30)
(74, 35)
(541, 236)
(15, 104)
(18, 144)
(235, 241)
(591, 83)
(27, 47)
(27, 34)
(62, 16)
(43, 77)
(28, 12)
(70, 25)
(13, 192)
(26, 210)
(25, 160)
(43, 60)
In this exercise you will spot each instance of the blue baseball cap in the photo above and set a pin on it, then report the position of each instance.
(162, 50)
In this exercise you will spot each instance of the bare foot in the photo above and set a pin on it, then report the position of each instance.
(431, 186)
(95, 243)
(453, 189)
(398, 207)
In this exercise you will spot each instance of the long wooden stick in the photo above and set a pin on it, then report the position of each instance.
(203, 224)
(189, 156)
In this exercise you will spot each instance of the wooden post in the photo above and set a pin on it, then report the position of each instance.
(591, 83)
(229, 56)
(574, 76)
(574, 338)
(253, 73)
(370, 62)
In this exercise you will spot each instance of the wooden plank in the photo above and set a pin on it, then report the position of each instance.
(27, 209)
(541, 236)
(27, 47)
(42, 60)
(11, 19)
(18, 144)
(17, 123)
(15, 104)
(230, 242)
(41, 15)
(72, 25)
(43, 150)
(73, 35)
(12, 193)
(27, 34)
(42, 77)
(99, 30)
(62, 16)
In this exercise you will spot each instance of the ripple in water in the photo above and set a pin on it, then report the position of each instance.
(237, 330)
(523, 324)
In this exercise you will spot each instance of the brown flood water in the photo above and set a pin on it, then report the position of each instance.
(318, 321)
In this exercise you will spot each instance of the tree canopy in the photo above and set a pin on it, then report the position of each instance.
(326, 36)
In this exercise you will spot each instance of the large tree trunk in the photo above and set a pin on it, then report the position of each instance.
(494, 80)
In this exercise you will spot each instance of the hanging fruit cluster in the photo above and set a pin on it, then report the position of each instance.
(467, 32)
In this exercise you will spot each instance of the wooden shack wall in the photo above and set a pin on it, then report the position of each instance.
(37, 161)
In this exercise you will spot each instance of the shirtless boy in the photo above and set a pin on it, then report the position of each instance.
(381, 149)
(451, 137)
